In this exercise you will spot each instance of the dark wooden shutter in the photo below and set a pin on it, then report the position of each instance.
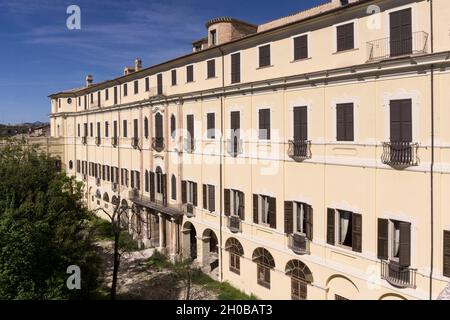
(205, 197)
(159, 126)
(255, 208)
(330, 226)
(405, 244)
(301, 47)
(189, 73)
(212, 198)
(300, 123)
(446, 268)
(183, 192)
(210, 125)
(273, 213)
(195, 194)
(345, 37)
(146, 181)
(383, 239)
(226, 201)
(344, 122)
(288, 217)
(152, 186)
(159, 84)
(132, 178)
(174, 77)
(401, 120)
(173, 184)
(309, 222)
(242, 205)
(211, 68)
(172, 126)
(264, 124)
(236, 68)
(136, 128)
(357, 232)
(264, 56)
(190, 125)
(400, 32)
(164, 188)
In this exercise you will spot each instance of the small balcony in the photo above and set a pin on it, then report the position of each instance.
(84, 140)
(400, 154)
(299, 150)
(386, 48)
(114, 141)
(399, 277)
(189, 210)
(189, 145)
(98, 141)
(135, 142)
(234, 147)
(298, 243)
(158, 144)
(97, 181)
(234, 223)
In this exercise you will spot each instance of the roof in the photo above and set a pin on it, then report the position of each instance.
(228, 19)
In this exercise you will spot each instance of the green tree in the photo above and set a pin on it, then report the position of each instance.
(43, 228)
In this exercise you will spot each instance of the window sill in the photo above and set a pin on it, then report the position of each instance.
(264, 67)
(345, 51)
(211, 78)
(188, 82)
(300, 60)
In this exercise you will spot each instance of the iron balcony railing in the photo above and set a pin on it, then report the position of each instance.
(189, 145)
(158, 144)
(401, 154)
(234, 224)
(299, 149)
(298, 243)
(400, 277)
(98, 141)
(114, 141)
(135, 142)
(84, 140)
(189, 210)
(389, 48)
(234, 146)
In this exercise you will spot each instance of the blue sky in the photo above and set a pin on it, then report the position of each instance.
(39, 55)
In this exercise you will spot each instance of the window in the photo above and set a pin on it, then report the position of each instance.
(85, 127)
(301, 47)
(211, 122)
(70, 164)
(189, 192)
(401, 120)
(98, 130)
(234, 201)
(146, 181)
(106, 129)
(236, 68)
(264, 210)
(190, 126)
(135, 128)
(147, 84)
(174, 77)
(300, 124)
(189, 73)
(135, 180)
(235, 263)
(263, 276)
(265, 263)
(79, 101)
(302, 218)
(173, 184)
(394, 241)
(79, 130)
(78, 168)
(99, 98)
(125, 128)
(92, 98)
(107, 94)
(173, 126)
(159, 126)
(401, 37)
(234, 247)
(345, 229)
(446, 260)
(146, 128)
(213, 37)
(345, 37)
(344, 122)
(125, 89)
(136, 86)
(115, 95)
(211, 66)
(160, 84)
(91, 129)
(85, 102)
(209, 198)
(115, 129)
(124, 177)
(264, 56)
(264, 124)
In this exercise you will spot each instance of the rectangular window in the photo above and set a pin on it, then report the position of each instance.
(98, 130)
(136, 86)
(263, 276)
(125, 128)
(300, 124)
(147, 84)
(91, 129)
(211, 123)
(190, 73)
(264, 124)
(79, 130)
(115, 95)
(211, 65)
(344, 122)
(265, 210)
(213, 37)
(209, 198)
(79, 101)
(191, 192)
(99, 98)
(264, 56)
(236, 204)
(446, 268)
(92, 98)
(106, 129)
(301, 47)
(160, 84)
(394, 241)
(135, 128)
(300, 211)
(125, 89)
(85, 131)
(190, 126)
(345, 229)
(115, 129)
(401, 120)
(236, 68)
(345, 37)
(174, 77)
(85, 103)
(401, 37)
(107, 94)
(235, 263)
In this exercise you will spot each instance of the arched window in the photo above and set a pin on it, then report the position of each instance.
(265, 263)
(106, 197)
(115, 200)
(301, 276)
(234, 247)
(173, 126)
(146, 128)
(70, 164)
(173, 184)
(147, 183)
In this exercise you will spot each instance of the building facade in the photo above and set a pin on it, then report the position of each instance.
(305, 158)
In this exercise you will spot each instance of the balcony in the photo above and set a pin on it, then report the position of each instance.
(84, 140)
(189, 210)
(98, 141)
(97, 181)
(400, 154)
(234, 224)
(158, 144)
(135, 142)
(389, 48)
(234, 147)
(298, 243)
(114, 141)
(399, 277)
(189, 145)
(299, 150)
(173, 210)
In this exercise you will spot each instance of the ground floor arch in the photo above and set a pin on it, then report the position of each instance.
(189, 246)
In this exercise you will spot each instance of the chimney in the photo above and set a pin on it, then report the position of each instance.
(89, 80)
(137, 64)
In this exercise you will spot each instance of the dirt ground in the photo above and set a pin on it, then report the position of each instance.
(137, 281)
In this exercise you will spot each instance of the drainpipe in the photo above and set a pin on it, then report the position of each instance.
(221, 163)
(432, 158)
